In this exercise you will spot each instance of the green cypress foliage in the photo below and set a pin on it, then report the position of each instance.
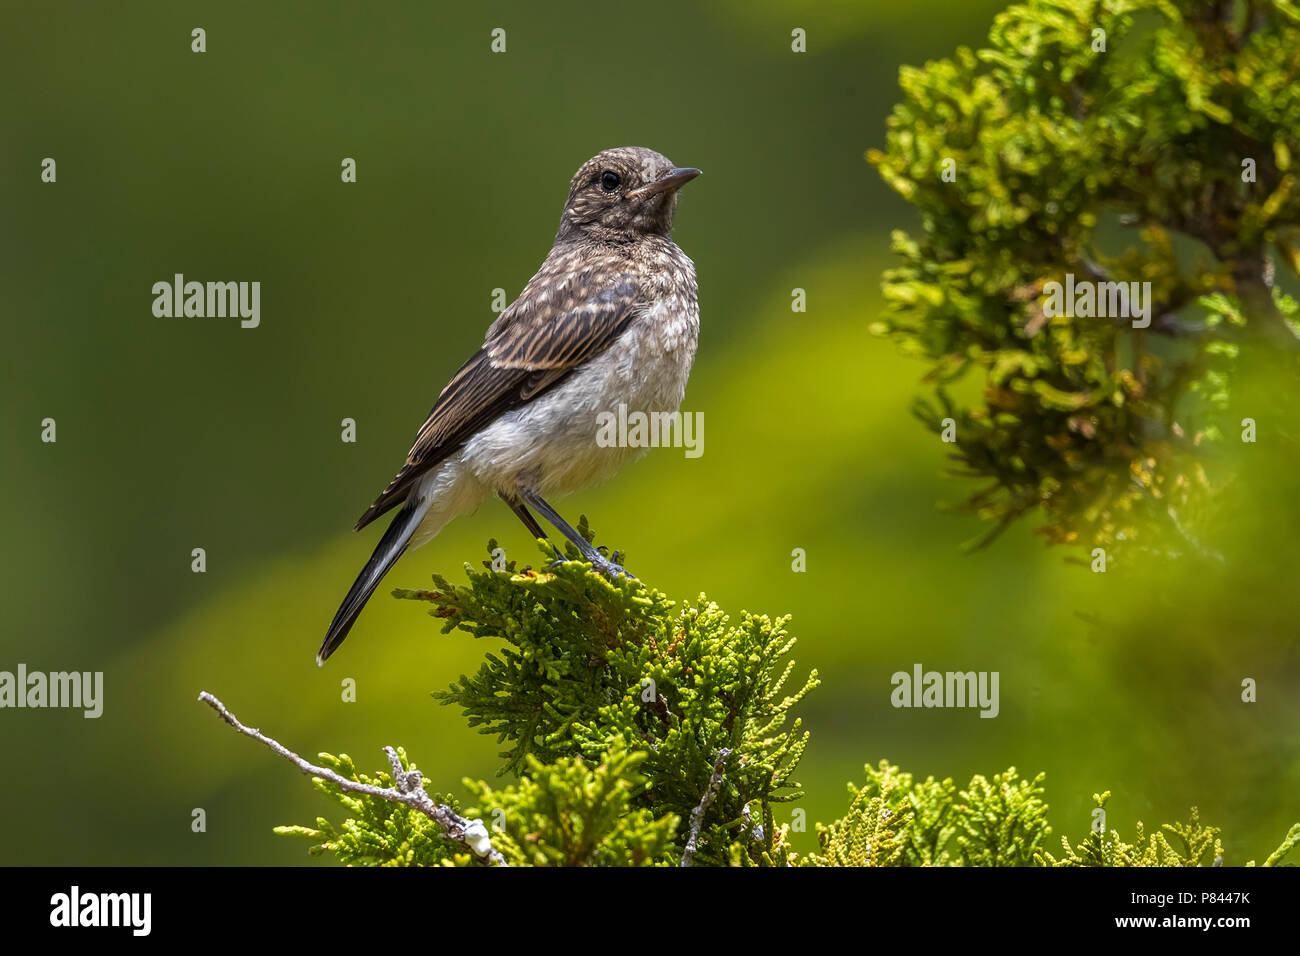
(1096, 142)
(623, 713)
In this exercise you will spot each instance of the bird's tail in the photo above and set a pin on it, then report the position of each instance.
(390, 548)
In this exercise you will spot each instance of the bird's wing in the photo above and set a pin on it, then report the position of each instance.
(533, 346)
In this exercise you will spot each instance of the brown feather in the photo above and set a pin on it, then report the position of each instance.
(551, 329)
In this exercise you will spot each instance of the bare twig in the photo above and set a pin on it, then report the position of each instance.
(706, 801)
(409, 790)
(756, 833)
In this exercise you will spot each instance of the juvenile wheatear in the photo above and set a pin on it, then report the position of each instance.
(611, 317)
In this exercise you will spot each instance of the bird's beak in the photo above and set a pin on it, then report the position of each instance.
(673, 180)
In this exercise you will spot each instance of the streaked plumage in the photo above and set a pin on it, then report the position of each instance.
(611, 317)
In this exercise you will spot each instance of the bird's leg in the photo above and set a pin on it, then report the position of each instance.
(530, 522)
(598, 560)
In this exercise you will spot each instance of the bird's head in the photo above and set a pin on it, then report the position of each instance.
(622, 193)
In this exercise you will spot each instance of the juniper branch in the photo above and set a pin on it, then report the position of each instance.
(409, 789)
(1292, 838)
(755, 829)
(706, 801)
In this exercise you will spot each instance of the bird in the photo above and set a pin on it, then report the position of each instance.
(611, 317)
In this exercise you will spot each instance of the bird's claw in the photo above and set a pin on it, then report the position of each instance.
(612, 570)
(601, 564)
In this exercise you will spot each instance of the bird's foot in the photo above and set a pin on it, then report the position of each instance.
(611, 569)
(604, 565)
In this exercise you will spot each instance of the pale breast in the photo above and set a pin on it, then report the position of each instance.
(551, 443)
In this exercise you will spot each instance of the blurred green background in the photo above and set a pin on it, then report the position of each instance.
(183, 433)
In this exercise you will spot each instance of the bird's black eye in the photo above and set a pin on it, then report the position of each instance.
(609, 181)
